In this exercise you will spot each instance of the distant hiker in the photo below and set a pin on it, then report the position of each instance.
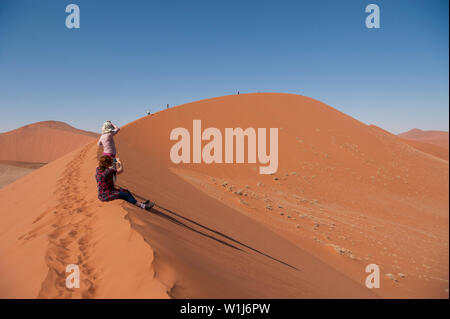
(149, 113)
(107, 139)
(105, 184)
(238, 92)
(167, 106)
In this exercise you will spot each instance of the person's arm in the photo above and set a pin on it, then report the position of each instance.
(116, 128)
(99, 148)
(119, 166)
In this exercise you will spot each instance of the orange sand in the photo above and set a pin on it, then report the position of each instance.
(439, 138)
(427, 146)
(345, 195)
(42, 142)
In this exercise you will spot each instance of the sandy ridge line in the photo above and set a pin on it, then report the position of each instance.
(113, 258)
(69, 242)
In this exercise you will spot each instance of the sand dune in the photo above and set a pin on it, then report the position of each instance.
(439, 138)
(426, 147)
(42, 142)
(429, 148)
(34, 145)
(345, 195)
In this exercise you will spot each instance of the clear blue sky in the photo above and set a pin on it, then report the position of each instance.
(131, 56)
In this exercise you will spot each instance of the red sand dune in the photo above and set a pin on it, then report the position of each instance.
(42, 142)
(345, 195)
(439, 138)
(430, 148)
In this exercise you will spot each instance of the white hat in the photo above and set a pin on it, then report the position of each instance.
(107, 127)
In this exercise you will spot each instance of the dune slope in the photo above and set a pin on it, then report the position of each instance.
(345, 192)
(52, 218)
(434, 149)
(42, 142)
(439, 138)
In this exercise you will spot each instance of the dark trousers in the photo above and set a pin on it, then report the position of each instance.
(128, 197)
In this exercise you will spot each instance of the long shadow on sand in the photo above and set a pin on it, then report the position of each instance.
(176, 221)
(157, 210)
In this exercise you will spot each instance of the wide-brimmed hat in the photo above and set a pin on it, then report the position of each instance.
(107, 127)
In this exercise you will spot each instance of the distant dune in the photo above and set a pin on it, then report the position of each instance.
(426, 147)
(439, 138)
(42, 142)
(345, 195)
(27, 148)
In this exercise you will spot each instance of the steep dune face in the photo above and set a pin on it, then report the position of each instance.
(345, 195)
(439, 138)
(345, 192)
(42, 142)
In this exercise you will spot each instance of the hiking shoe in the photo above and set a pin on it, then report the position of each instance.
(149, 205)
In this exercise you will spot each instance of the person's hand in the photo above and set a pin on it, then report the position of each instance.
(119, 166)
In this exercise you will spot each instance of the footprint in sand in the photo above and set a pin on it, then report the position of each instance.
(71, 248)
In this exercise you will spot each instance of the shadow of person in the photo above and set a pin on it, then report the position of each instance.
(164, 212)
(158, 211)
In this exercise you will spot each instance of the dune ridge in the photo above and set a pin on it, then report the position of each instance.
(63, 222)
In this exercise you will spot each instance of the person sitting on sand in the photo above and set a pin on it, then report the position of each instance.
(105, 183)
(107, 139)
